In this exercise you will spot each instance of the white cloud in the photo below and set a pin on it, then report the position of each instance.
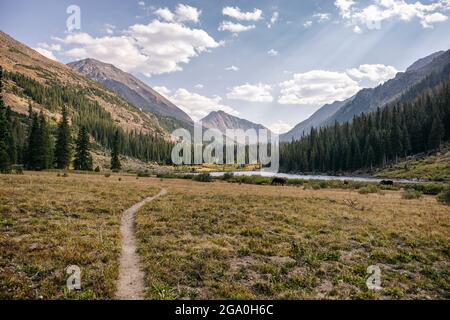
(322, 17)
(232, 68)
(183, 13)
(280, 127)
(46, 53)
(430, 19)
(198, 106)
(234, 27)
(187, 13)
(109, 28)
(236, 13)
(163, 91)
(165, 14)
(199, 86)
(272, 53)
(357, 30)
(344, 7)
(141, 3)
(379, 11)
(154, 48)
(317, 87)
(51, 47)
(253, 93)
(307, 24)
(273, 19)
(376, 73)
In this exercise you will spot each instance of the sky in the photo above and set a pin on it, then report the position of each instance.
(271, 62)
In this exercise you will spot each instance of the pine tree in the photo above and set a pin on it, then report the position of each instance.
(5, 134)
(436, 134)
(83, 158)
(115, 161)
(34, 152)
(45, 143)
(63, 149)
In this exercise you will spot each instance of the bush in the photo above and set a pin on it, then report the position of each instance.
(444, 196)
(295, 182)
(203, 177)
(371, 188)
(427, 188)
(143, 174)
(411, 194)
(228, 176)
(107, 175)
(97, 169)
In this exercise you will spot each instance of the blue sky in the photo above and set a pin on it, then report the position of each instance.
(271, 62)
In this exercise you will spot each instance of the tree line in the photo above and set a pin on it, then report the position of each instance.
(31, 141)
(405, 127)
(85, 112)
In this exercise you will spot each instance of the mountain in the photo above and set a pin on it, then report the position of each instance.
(304, 127)
(31, 80)
(368, 100)
(19, 59)
(129, 88)
(222, 121)
(424, 61)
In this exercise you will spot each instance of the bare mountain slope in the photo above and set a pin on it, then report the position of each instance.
(129, 88)
(222, 121)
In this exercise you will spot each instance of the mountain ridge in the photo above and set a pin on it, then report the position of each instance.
(222, 121)
(369, 99)
(129, 88)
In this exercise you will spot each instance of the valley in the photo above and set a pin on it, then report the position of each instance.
(218, 240)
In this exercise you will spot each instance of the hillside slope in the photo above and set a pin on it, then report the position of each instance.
(368, 100)
(222, 121)
(19, 59)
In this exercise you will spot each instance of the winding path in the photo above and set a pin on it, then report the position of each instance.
(131, 285)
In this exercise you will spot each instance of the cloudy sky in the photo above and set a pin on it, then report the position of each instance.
(271, 62)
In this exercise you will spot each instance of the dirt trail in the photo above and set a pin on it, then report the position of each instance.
(131, 277)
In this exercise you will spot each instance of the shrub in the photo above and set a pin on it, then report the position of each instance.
(444, 196)
(97, 169)
(228, 176)
(411, 194)
(295, 182)
(107, 175)
(427, 188)
(143, 174)
(65, 175)
(371, 188)
(203, 177)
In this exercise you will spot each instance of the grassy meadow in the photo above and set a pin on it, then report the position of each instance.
(48, 223)
(229, 241)
(219, 239)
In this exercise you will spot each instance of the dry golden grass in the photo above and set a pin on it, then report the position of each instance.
(219, 240)
(230, 241)
(48, 223)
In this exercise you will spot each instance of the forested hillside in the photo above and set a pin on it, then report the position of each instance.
(88, 113)
(405, 127)
(35, 84)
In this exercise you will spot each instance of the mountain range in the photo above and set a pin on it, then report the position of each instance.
(368, 100)
(222, 121)
(129, 88)
(133, 105)
(19, 59)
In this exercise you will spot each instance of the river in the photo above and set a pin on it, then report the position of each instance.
(311, 177)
